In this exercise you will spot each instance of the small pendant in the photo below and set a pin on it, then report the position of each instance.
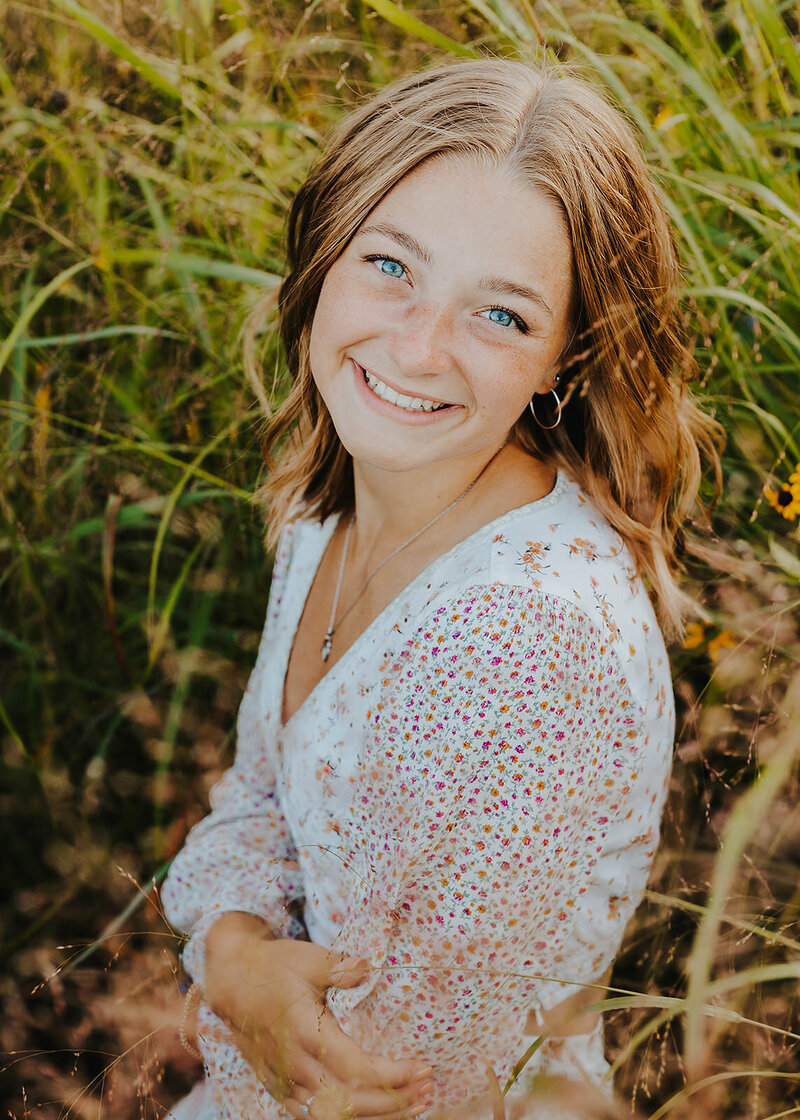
(326, 646)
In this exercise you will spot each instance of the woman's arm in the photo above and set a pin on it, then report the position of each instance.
(241, 856)
(230, 885)
(264, 993)
(514, 802)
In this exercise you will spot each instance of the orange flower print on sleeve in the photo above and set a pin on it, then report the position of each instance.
(607, 616)
(581, 547)
(533, 557)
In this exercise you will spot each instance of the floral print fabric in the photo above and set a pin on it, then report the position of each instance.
(472, 795)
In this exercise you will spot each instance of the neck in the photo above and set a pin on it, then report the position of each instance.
(393, 505)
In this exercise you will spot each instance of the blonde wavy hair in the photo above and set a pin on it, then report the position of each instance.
(630, 435)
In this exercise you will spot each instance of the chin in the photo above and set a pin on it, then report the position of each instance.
(382, 457)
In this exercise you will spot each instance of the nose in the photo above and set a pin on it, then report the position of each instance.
(423, 342)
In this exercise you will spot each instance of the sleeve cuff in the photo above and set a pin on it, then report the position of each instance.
(272, 906)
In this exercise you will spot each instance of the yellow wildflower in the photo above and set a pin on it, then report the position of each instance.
(695, 635)
(724, 640)
(786, 499)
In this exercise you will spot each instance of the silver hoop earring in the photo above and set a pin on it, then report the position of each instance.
(547, 427)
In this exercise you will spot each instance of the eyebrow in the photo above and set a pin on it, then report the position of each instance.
(499, 287)
(494, 284)
(405, 239)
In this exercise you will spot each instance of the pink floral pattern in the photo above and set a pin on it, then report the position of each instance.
(472, 795)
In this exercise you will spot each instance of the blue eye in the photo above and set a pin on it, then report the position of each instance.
(389, 267)
(504, 318)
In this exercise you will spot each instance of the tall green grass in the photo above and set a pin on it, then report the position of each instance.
(147, 157)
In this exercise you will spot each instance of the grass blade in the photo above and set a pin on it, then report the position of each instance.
(41, 297)
(413, 26)
(199, 266)
(77, 337)
(747, 813)
(100, 31)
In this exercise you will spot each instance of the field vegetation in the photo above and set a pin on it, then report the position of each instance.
(147, 156)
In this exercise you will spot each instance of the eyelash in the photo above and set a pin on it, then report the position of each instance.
(520, 323)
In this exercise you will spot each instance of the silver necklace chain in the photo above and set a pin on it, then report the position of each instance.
(334, 625)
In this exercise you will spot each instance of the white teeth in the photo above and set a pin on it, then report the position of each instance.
(411, 404)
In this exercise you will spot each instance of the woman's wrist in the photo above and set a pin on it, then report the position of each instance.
(229, 930)
(231, 946)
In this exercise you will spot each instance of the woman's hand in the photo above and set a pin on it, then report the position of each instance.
(271, 993)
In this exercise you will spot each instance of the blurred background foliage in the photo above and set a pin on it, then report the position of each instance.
(147, 156)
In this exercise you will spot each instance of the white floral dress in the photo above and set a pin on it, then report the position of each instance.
(472, 794)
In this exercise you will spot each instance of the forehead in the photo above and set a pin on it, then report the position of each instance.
(484, 215)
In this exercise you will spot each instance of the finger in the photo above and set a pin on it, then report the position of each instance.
(311, 1080)
(349, 973)
(332, 1047)
(336, 970)
(381, 1100)
(338, 1103)
(298, 1075)
(316, 963)
(384, 1103)
(268, 1061)
(296, 1110)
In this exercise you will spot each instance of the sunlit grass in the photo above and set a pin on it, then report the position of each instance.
(146, 160)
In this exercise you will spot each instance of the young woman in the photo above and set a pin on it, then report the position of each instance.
(455, 745)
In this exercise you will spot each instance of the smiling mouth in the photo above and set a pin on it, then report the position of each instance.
(408, 404)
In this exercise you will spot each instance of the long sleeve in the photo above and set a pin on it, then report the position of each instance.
(240, 857)
(511, 805)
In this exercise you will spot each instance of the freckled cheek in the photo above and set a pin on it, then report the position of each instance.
(344, 318)
(332, 332)
(504, 395)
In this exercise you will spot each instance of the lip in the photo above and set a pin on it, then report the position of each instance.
(397, 389)
(415, 419)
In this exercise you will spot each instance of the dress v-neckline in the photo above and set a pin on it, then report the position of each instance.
(309, 572)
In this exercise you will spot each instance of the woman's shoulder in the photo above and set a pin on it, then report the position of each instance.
(301, 528)
(565, 546)
(562, 545)
(561, 551)
(301, 539)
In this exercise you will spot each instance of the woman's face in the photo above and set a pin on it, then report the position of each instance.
(455, 292)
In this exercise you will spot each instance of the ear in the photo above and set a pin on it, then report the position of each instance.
(550, 381)
(574, 352)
